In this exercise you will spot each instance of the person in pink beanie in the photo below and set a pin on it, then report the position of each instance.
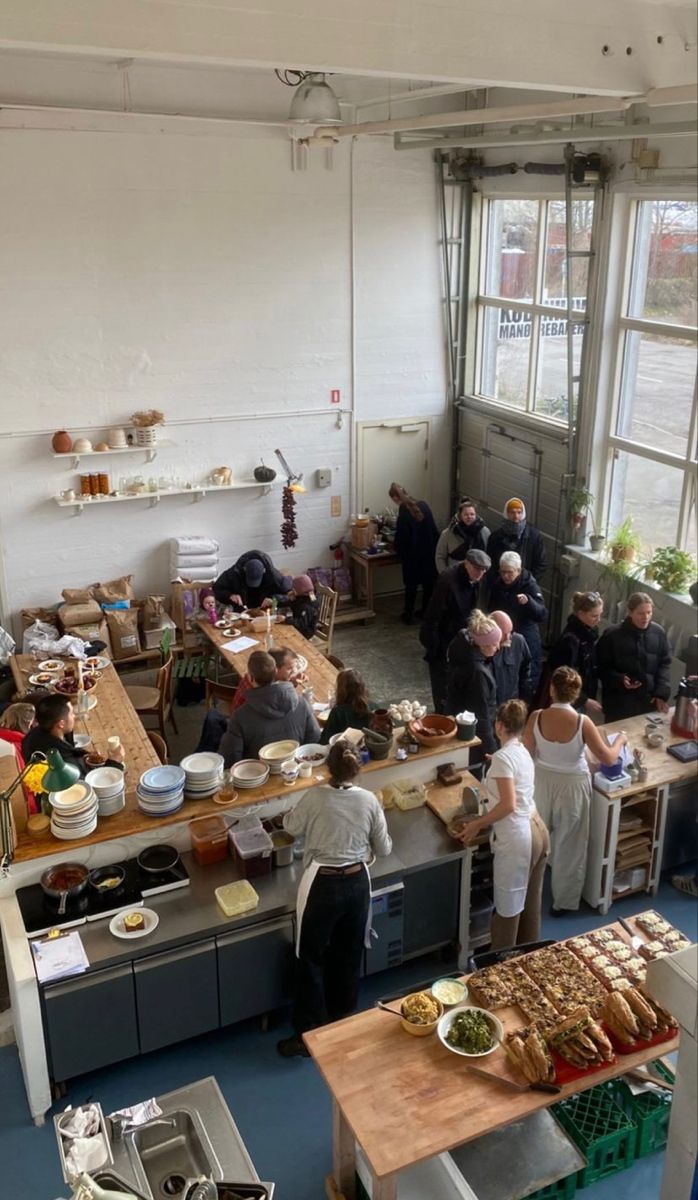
(472, 686)
(303, 608)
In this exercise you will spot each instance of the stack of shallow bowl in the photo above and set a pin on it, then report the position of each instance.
(203, 774)
(74, 812)
(249, 773)
(107, 784)
(160, 790)
(274, 754)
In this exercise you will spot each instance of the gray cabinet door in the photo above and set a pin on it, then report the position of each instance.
(255, 969)
(176, 994)
(431, 907)
(91, 1021)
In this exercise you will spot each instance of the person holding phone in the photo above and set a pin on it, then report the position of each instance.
(634, 663)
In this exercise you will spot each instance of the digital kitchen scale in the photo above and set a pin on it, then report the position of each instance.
(603, 784)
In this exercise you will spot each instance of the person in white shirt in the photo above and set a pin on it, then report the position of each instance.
(519, 839)
(343, 826)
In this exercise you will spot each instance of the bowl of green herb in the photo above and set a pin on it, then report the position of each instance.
(469, 1031)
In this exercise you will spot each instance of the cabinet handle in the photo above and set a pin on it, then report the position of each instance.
(93, 979)
(253, 931)
(170, 956)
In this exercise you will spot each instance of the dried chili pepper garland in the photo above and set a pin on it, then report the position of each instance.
(289, 529)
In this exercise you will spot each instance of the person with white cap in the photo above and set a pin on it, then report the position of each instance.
(515, 533)
(456, 594)
(471, 685)
(516, 592)
(512, 664)
(252, 582)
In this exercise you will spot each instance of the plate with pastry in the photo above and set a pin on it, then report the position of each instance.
(132, 923)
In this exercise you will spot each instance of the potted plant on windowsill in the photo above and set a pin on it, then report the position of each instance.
(596, 539)
(580, 503)
(672, 569)
(624, 546)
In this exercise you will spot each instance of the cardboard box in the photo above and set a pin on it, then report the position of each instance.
(153, 637)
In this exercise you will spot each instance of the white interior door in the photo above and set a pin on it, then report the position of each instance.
(392, 450)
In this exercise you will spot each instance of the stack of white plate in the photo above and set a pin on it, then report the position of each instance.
(161, 790)
(107, 784)
(249, 773)
(74, 812)
(203, 772)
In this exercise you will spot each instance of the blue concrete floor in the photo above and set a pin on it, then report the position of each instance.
(281, 1106)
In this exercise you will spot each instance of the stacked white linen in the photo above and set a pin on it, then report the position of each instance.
(194, 556)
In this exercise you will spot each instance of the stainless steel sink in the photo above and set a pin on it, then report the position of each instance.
(171, 1150)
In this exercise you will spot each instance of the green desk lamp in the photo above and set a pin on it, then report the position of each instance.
(60, 774)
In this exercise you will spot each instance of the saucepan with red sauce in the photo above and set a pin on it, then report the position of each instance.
(64, 881)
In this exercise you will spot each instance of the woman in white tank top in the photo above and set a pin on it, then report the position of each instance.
(558, 738)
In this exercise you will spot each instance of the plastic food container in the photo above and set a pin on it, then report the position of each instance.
(252, 850)
(209, 839)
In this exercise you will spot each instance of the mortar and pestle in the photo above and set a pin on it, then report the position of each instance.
(378, 744)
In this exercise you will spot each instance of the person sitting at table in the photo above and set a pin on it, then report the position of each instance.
(519, 839)
(55, 722)
(272, 712)
(351, 709)
(416, 536)
(467, 531)
(252, 582)
(634, 663)
(512, 663)
(215, 721)
(300, 606)
(15, 723)
(343, 825)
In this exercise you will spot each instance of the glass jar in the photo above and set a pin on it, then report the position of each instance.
(152, 484)
(103, 484)
(94, 485)
(85, 485)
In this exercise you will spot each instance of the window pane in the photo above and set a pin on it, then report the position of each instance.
(659, 376)
(663, 284)
(555, 272)
(651, 494)
(506, 343)
(551, 385)
(512, 232)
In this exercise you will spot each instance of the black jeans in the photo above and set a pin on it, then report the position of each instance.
(438, 675)
(331, 945)
(411, 595)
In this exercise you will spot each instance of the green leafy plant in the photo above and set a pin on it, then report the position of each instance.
(672, 569)
(624, 547)
(581, 500)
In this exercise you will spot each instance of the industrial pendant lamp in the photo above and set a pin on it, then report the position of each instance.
(60, 775)
(314, 102)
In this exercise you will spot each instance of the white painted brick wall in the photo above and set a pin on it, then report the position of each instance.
(201, 276)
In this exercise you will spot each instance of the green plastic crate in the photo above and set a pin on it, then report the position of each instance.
(651, 1112)
(563, 1189)
(601, 1130)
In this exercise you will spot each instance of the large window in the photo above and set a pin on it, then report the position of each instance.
(653, 439)
(522, 303)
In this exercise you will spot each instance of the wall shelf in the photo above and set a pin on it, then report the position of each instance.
(149, 451)
(197, 492)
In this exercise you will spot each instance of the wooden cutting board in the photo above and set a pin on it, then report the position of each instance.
(445, 802)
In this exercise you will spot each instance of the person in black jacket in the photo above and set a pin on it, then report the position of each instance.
(456, 594)
(55, 722)
(516, 592)
(516, 534)
(471, 683)
(416, 536)
(576, 648)
(252, 582)
(634, 663)
(512, 663)
(467, 531)
(300, 607)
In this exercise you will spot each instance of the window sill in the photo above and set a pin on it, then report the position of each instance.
(638, 585)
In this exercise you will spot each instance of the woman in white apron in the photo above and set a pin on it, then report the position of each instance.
(519, 839)
(343, 826)
(558, 738)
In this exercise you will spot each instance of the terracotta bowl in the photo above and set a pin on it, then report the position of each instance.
(434, 730)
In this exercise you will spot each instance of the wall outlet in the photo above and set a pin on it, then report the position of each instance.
(323, 477)
(336, 506)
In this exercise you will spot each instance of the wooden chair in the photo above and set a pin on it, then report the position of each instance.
(219, 691)
(336, 662)
(156, 701)
(325, 626)
(159, 745)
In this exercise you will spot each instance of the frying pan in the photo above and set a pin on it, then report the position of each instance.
(155, 860)
(102, 875)
(64, 880)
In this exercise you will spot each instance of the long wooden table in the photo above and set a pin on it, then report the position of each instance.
(321, 674)
(406, 1099)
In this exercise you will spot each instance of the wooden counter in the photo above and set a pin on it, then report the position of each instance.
(662, 768)
(406, 1099)
(321, 674)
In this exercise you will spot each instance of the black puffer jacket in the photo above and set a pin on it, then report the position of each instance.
(529, 545)
(643, 654)
(453, 599)
(472, 687)
(525, 617)
(576, 648)
(232, 582)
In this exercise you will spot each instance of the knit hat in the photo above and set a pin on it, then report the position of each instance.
(492, 638)
(478, 558)
(205, 593)
(254, 572)
(515, 503)
(303, 585)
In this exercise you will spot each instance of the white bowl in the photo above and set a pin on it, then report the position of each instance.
(106, 782)
(337, 737)
(448, 1018)
(275, 753)
(250, 772)
(309, 754)
(80, 740)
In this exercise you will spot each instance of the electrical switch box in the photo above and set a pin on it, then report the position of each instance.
(323, 477)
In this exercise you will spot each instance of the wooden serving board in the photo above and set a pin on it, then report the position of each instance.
(446, 802)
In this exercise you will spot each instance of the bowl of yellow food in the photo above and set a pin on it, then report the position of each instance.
(420, 1013)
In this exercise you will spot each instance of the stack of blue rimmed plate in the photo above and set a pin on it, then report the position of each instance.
(204, 772)
(161, 790)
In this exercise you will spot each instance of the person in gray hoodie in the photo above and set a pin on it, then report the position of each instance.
(272, 712)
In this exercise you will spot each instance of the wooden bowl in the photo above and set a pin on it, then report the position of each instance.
(434, 730)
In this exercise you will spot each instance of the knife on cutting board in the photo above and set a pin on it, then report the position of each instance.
(635, 941)
(552, 1088)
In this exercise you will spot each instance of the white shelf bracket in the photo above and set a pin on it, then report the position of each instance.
(76, 462)
(151, 454)
(154, 500)
(198, 496)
